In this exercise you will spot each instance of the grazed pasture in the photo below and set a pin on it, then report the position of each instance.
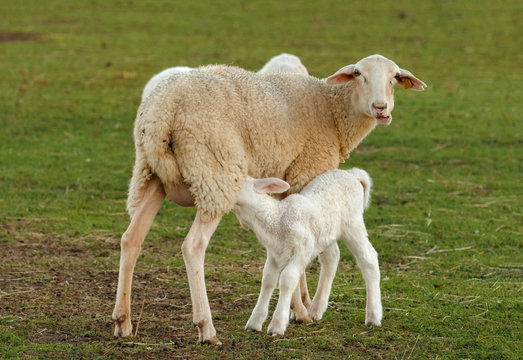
(445, 217)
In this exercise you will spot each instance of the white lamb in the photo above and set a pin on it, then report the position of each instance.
(201, 132)
(302, 226)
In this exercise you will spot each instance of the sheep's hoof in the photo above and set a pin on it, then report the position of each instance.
(212, 341)
(373, 320)
(276, 328)
(206, 333)
(304, 319)
(274, 333)
(250, 327)
(373, 323)
(122, 326)
(316, 312)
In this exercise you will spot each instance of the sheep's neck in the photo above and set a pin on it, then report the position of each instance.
(352, 126)
(265, 215)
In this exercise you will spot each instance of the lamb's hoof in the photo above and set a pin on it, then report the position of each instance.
(276, 328)
(304, 319)
(275, 333)
(373, 323)
(373, 320)
(315, 313)
(250, 327)
(213, 341)
(122, 326)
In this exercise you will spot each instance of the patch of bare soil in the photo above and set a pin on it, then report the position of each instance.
(59, 291)
(17, 36)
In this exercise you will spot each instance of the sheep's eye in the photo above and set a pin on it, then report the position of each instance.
(357, 73)
(397, 77)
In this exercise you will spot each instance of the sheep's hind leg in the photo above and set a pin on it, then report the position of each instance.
(329, 263)
(299, 302)
(132, 239)
(367, 260)
(193, 249)
(304, 292)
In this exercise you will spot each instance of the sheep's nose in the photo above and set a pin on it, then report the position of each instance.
(379, 106)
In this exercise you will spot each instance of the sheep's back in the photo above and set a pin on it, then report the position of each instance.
(230, 107)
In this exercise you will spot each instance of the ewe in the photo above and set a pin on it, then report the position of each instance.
(278, 64)
(200, 133)
(302, 226)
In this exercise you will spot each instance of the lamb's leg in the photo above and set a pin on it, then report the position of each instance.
(329, 263)
(299, 310)
(289, 279)
(304, 292)
(367, 260)
(132, 239)
(271, 272)
(193, 249)
(316, 158)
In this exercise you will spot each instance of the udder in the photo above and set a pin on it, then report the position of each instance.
(180, 194)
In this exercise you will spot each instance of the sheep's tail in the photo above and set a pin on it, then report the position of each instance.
(365, 180)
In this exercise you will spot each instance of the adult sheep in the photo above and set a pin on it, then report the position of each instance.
(278, 64)
(202, 132)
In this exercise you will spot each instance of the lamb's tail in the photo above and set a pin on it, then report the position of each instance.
(365, 180)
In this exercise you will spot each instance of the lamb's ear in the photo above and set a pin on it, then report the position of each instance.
(341, 76)
(410, 81)
(271, 185)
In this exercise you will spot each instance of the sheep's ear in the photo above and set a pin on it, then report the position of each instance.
(341, 76)
(410, 81)
(271, 186)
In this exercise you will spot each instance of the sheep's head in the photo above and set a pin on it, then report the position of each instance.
(252, 193)
(374, 78)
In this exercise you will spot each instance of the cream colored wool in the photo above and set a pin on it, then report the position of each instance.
(210, 127)
(200, 133)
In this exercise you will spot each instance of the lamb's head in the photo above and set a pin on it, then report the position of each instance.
(374, 78)
(253, 196)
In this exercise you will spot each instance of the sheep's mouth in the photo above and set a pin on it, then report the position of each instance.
(384, 119)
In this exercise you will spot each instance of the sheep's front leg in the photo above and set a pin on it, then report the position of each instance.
(193, 250)
(367, 260)
(289, 279)
(131, 243)
(271, 272)
(329, 263)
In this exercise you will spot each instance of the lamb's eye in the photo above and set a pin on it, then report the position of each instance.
(397, 77)
(357, 73)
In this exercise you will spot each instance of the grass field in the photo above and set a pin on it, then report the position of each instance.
(446, 214)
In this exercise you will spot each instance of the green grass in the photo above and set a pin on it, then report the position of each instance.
(446, 209)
